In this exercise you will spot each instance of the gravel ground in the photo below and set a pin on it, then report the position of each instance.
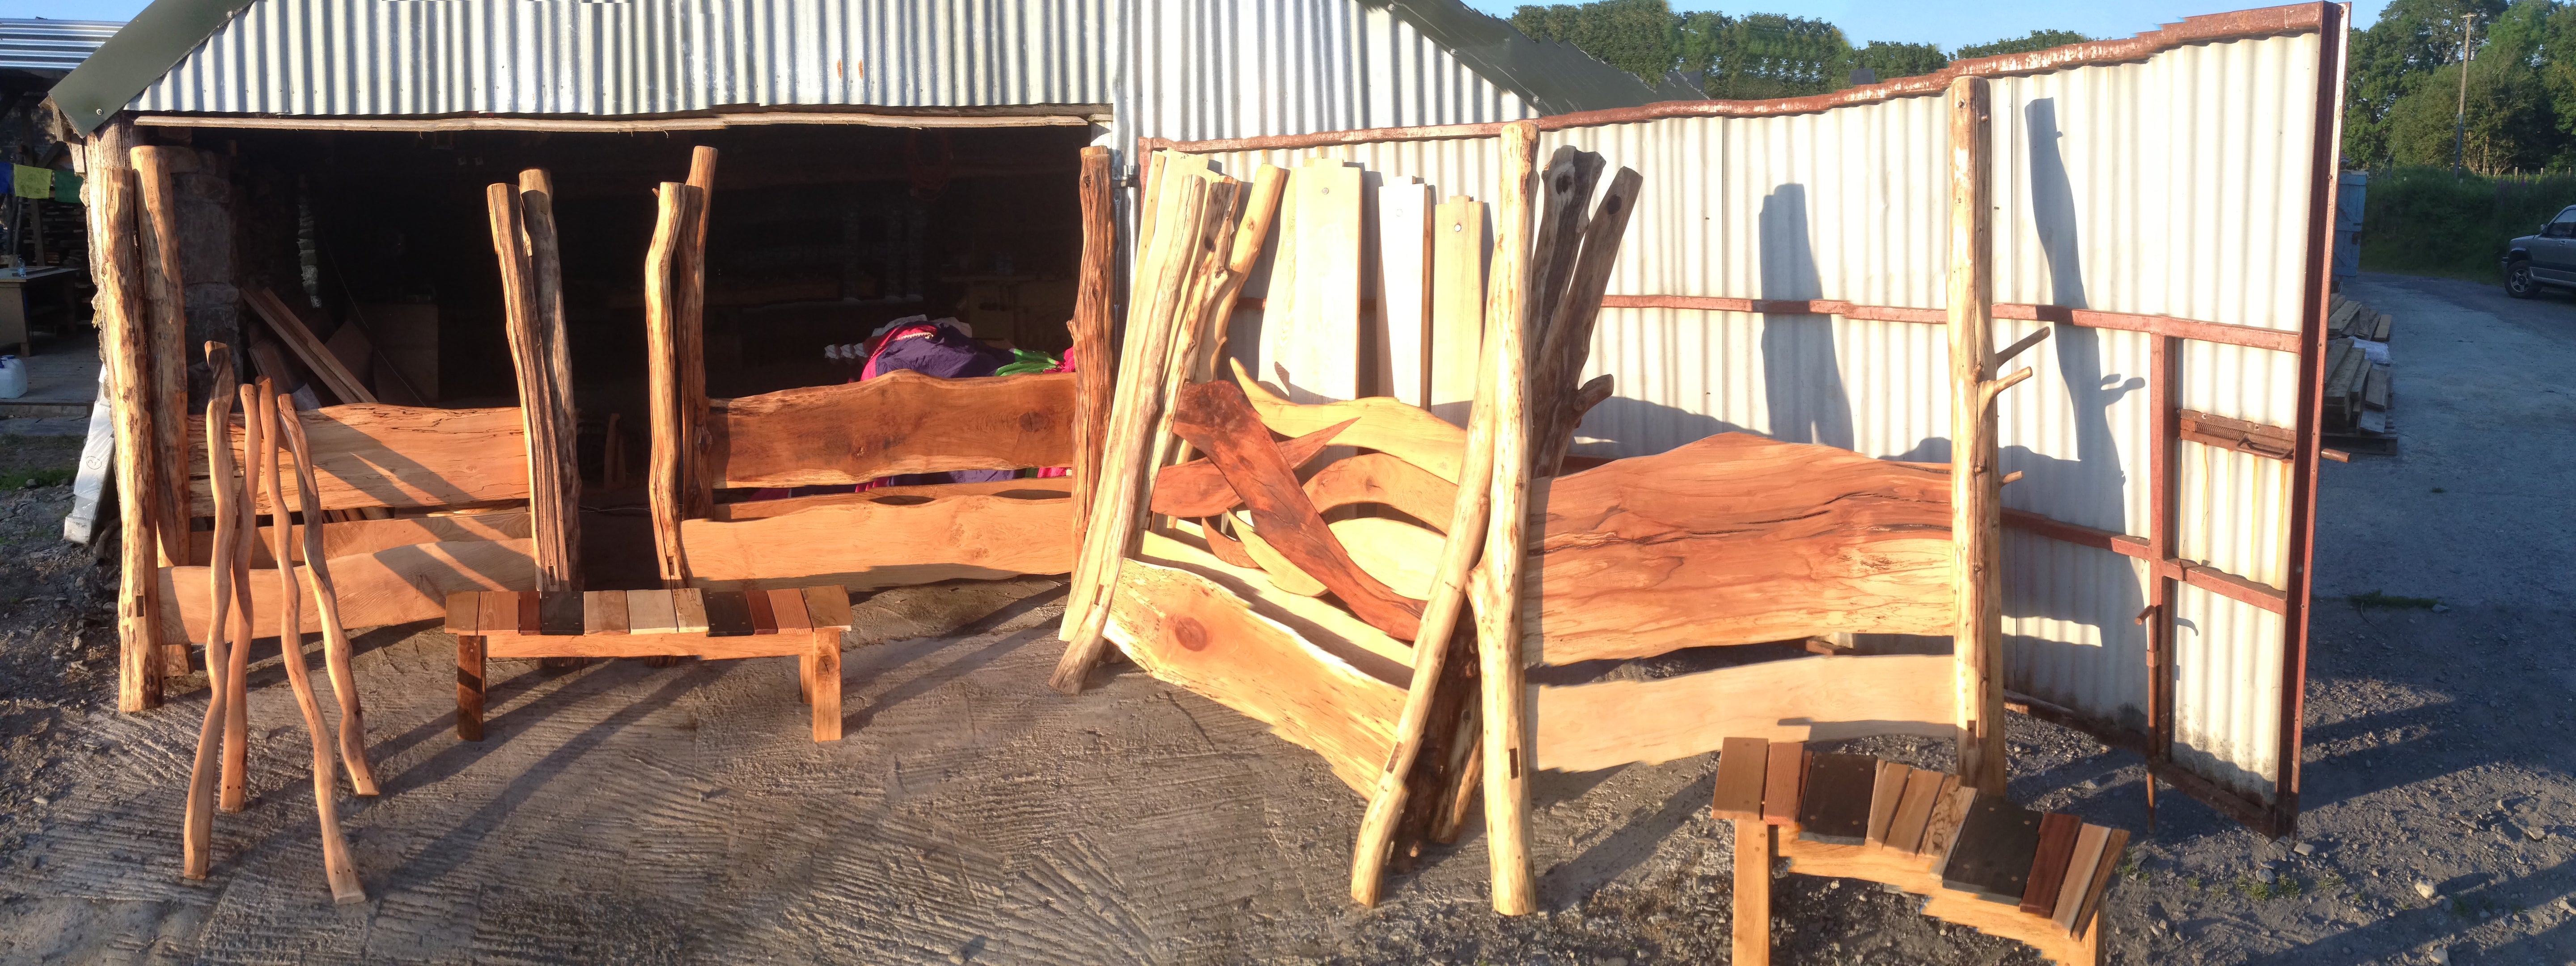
(624, 814)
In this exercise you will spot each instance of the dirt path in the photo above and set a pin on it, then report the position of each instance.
(622, 814)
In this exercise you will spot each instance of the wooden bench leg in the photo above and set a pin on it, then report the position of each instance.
(469, 687)
(1753, 892)
(826, 684)
(805, 677)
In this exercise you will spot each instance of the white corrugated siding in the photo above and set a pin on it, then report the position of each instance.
(374, 57)
(2176, 185)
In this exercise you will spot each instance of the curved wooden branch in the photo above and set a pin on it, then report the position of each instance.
(1386, 425)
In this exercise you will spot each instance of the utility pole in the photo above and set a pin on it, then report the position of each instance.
(2460, 122)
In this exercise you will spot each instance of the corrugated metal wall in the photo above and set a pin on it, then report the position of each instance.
(2176, 185)
(369, 57)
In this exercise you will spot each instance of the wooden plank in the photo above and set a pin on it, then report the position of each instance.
(603, 612)
(700, 645)
(531, 622)
(763, 620)
(1784, 771)
(1603, 724)
(559, 613)
(1457, 306)
(787, 607)
(1411, 434)
(1740, 765)
(1318, 344)
(396, 586)
(1755, 842)
(2080, 866)
(462, 609)
(497, 612)
(2379, 329)
(1736, 539)
(901, 422)
(1216, 418)
(728, 613)
(1834, 806)
(1198, 489)
(979, 537)
(1403, 556)
(2374, 388)
(1322, 624)
(1948, 810)
(317, 357)
(1992, 854)
(399, 456)
(1884, 797)
(2057, 832)
(651, 612)
(1052, 488)
(1386, 481)
(1404, 288)
(1187, 630)
(2090, 912)
(1914, 811)
(827, 607)
(688, 610)
(349, 538)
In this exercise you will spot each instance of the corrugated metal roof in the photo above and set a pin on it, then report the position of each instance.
(55, 45)
(2174, 183)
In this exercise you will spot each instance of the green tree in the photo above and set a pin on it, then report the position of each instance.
(2038, 40)
(2395, 58)
(1637, 36)
(1893, 60)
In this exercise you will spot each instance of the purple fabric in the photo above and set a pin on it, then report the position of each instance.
(947, 354)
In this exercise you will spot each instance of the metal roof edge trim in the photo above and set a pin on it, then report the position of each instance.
(1035, 115)
(2205, 28)
(141, 53)
(1554, 76)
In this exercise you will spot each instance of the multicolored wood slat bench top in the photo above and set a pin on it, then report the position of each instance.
(711, 624)
(1982, 861)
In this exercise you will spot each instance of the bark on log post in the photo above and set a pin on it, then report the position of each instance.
(1162, 281)
(196, 828)
(165, 294)
(337, 870)
(663, 485)
(1458, 553)
(338, 655)
(116, 263)
(689, 309)
(255, 455)
(1260, 209)
(1498, 579)
(1094, 370)
(1976, 492)
(1554, 404)
(523, 238)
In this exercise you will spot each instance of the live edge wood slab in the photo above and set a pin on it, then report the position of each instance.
(804, 622)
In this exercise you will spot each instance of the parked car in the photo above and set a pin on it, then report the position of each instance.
(2547, 258)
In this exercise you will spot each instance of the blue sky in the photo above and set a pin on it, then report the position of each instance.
(1950, 25)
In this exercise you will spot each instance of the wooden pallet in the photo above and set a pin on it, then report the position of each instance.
(806, 623)
(1978, 860)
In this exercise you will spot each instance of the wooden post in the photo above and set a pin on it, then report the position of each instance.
(197, 826)
(1093, 367)
(688, 324)
(523, 237)
(338, 655)
(1260, 208)
(117, 265)
(255, 455)
(166, 295)
(824, 683)
(1567, 339)
(1458, 554)
(469, 687)
(663, 484)
(1162, 278)
(1976, 491)
(1498, 578)
(1753, 891)
(337, 870)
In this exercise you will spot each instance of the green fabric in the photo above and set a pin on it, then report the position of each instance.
(67, 187)
(1023, 360)
(32, 182)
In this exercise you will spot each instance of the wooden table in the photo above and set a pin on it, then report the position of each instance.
(717, 624)
(13, 302)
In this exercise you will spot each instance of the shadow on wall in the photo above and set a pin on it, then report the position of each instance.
(1802, 380)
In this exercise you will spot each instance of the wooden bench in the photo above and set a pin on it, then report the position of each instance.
(1978, 860)
(806, 623)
